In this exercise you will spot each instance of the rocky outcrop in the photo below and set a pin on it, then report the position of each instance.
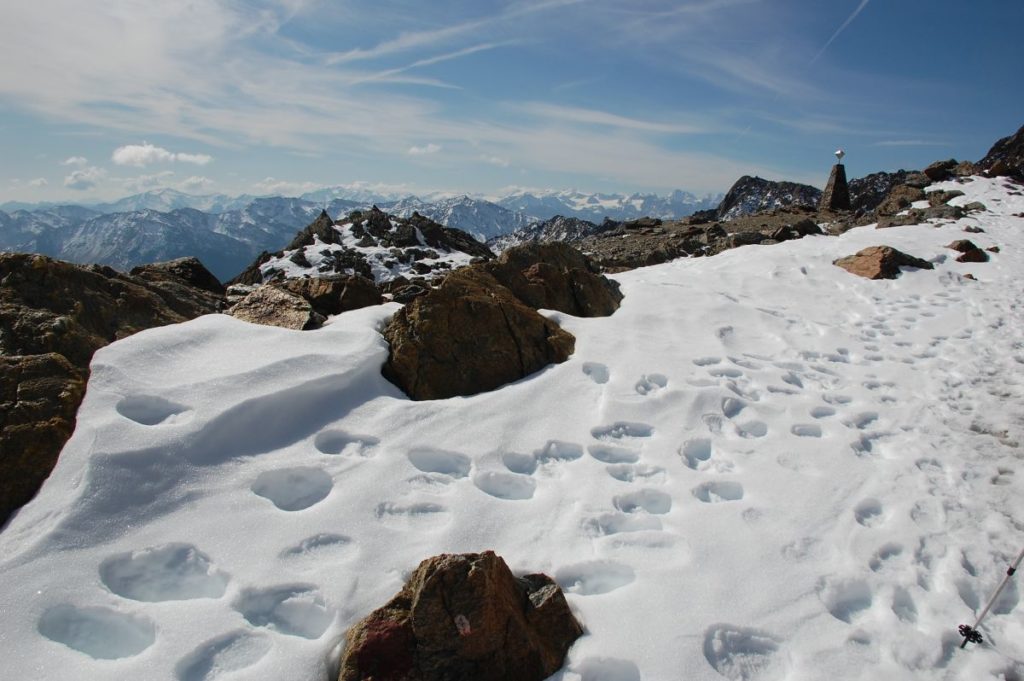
(555, 276)
(880, 262)
(836, 196)
(866, 193)
(464, 617)
(900, 198)
(751, 195)
(1006, 157)
(558, 228)
(941, 170)
(39, 396)
(467, 336)
(334, 295)
(271, 306)
(53, 317)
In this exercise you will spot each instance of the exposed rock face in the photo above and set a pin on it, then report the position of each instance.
(866, 193)
(555, 276)
(880, 262)
(469, 335)
(941, 170)
(1006, 157)
(751, 195)
(272, 306)
(900, 198)
(370, 244)
(836, 196)
(334, 295)
(39, 396)
(464, 617)
(53, 317)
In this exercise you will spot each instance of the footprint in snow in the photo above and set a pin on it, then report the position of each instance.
(340, 442)
(606, 669)
(100, 633)
(597, 372)
(594, 577)
(151, 410)
(222, 655)
(868, 512)
(885, 553)
(650, 501)
(743, 653)
(293, 489)
(651, 383)
(171, 572)
(613, 454)
(718, 491)
(318, 546)
(845, 599)
(291, 609)
(626, 472)
(502, 485)
(622, 431)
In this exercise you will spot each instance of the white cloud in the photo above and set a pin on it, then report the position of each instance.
(85, 178)
(270, 185)
(141, 155)
(78, 161)
(196, 183)
(496, 160)
(39, 182)
(425, 149)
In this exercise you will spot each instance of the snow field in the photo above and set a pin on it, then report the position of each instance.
(761, 467)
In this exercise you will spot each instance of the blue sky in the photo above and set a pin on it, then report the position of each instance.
(105, 98)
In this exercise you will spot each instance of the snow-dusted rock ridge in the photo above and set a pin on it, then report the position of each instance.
(761, 467)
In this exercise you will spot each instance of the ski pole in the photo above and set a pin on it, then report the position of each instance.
(971, 634)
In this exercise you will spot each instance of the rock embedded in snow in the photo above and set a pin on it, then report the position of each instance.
(880, 262)
(468, 336)
(555, 276)
(272, 306)
(334, 295)
(464, 616)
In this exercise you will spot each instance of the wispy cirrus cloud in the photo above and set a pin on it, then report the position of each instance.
(424, 150)
(842, 27)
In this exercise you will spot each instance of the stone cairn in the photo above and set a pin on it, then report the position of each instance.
(837, 193)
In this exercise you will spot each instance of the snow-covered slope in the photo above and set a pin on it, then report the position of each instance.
(761, 467)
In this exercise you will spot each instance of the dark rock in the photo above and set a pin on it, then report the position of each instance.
(334, 295)
(39, 396)
(941, 170)
(942, 197)
(973, 255)
(866, 193)
(751, 195)
(469, 335)
(272, 306)
(836, 196)
(880, 262)
(299, 258)
(252, 275)
(1006, 157)
(974, 230)
(555, 276)
(965, 169)
(975, 207)
(53, 317)
(971, 277)
(183, 270)
(408, 293)
(322, 228)
(993, 249)
(899, 199)
(464, 617)
(963, 245)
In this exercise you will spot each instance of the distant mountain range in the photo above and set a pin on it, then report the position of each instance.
(226, 232)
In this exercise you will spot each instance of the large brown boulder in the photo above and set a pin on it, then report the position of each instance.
(271, 306)
(880, 262)
(556, 276)
(54, 316)
(469, 335)
(39, 396)
(334, 295)
(464, 617)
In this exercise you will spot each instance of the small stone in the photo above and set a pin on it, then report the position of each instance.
(880, 262)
